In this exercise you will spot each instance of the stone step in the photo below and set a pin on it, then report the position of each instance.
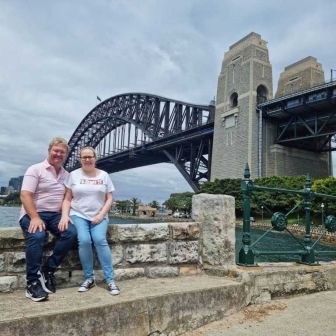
(144, 307)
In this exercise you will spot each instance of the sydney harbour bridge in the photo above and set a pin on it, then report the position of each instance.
(290, 134)
(136, 129)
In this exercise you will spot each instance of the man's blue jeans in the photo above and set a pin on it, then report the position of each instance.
(35, 242)
(96, 233)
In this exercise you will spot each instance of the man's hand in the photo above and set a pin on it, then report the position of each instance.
(97, 219)
(36, 223)
(64, 223)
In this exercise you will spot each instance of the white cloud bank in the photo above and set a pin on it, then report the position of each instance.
(58, 56)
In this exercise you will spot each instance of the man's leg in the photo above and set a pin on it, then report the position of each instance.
(34, 249)
(64, 243)
(34, 252)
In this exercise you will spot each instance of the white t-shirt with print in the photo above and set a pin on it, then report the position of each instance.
(89, 193)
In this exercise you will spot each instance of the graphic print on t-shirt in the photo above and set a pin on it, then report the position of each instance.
(92, 182)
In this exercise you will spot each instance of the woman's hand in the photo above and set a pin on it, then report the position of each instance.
(64, 223)
(97, 219)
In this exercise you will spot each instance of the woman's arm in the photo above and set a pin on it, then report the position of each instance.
(104, 210)
(66, 205)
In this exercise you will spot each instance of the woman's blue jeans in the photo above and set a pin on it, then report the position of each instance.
(96, 233)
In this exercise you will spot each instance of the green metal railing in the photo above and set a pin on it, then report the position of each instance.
(307, 249)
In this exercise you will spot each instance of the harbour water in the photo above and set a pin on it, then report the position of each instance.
(9, 218)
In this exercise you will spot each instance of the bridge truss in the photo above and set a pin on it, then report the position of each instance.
(136, 129)
(306, 119)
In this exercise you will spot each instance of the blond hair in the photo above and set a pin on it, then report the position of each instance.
(58, 141)
(89, 148)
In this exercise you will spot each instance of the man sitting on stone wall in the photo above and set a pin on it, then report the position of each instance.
(42, 194)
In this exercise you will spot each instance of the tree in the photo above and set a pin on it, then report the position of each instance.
(278, 201)
(154, 204)
(123, 206)
(134, 202)
(325, 186)
(275, 201)
(12, 199)
(180, 201)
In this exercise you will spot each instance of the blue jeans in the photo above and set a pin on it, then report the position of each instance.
(35, 243)
(96, 233)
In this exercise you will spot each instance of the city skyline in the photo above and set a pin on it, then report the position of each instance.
(60, 57)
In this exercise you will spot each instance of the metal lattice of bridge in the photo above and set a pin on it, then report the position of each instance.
(305, 119)
(136, 129)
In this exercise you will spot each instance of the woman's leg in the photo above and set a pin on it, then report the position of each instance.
(84, 245)
(98, 233)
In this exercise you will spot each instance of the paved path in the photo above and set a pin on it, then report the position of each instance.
(307, 315)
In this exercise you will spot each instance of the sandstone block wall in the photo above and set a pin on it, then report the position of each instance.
(152, 250)
(141, 250)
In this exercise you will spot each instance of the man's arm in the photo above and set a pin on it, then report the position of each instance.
(28, 203)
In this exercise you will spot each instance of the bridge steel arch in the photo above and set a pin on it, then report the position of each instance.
(137, 129)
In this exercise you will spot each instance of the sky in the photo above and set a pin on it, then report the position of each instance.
(57, 56)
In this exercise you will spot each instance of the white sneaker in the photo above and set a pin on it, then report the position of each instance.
(86, 285)
(113, 288)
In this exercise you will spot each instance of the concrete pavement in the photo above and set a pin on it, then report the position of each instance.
(306, 315)
(172, 306)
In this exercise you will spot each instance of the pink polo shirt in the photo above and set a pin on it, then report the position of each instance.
(47, 188)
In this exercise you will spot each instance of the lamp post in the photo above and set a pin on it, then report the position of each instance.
(322, 208)
(262, 214)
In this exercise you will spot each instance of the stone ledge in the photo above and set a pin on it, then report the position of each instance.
(144, 306)
(166, 306)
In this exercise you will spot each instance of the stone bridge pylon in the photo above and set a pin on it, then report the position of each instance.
(242, 133)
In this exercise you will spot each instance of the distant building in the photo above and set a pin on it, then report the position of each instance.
(15, 183)
(146, 211)
(3, 190)
(10, 190)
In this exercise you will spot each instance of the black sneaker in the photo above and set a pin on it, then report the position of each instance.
(35, 292)
(47, 281)
(113, 288)
(86, 285)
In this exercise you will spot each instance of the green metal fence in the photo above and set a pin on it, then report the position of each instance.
(279, 222)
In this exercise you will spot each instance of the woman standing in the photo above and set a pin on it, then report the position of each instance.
(87, 200)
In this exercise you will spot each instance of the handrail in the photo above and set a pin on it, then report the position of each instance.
(279, 223)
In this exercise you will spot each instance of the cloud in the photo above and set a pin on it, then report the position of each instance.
(144, 184)
(58, 56)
